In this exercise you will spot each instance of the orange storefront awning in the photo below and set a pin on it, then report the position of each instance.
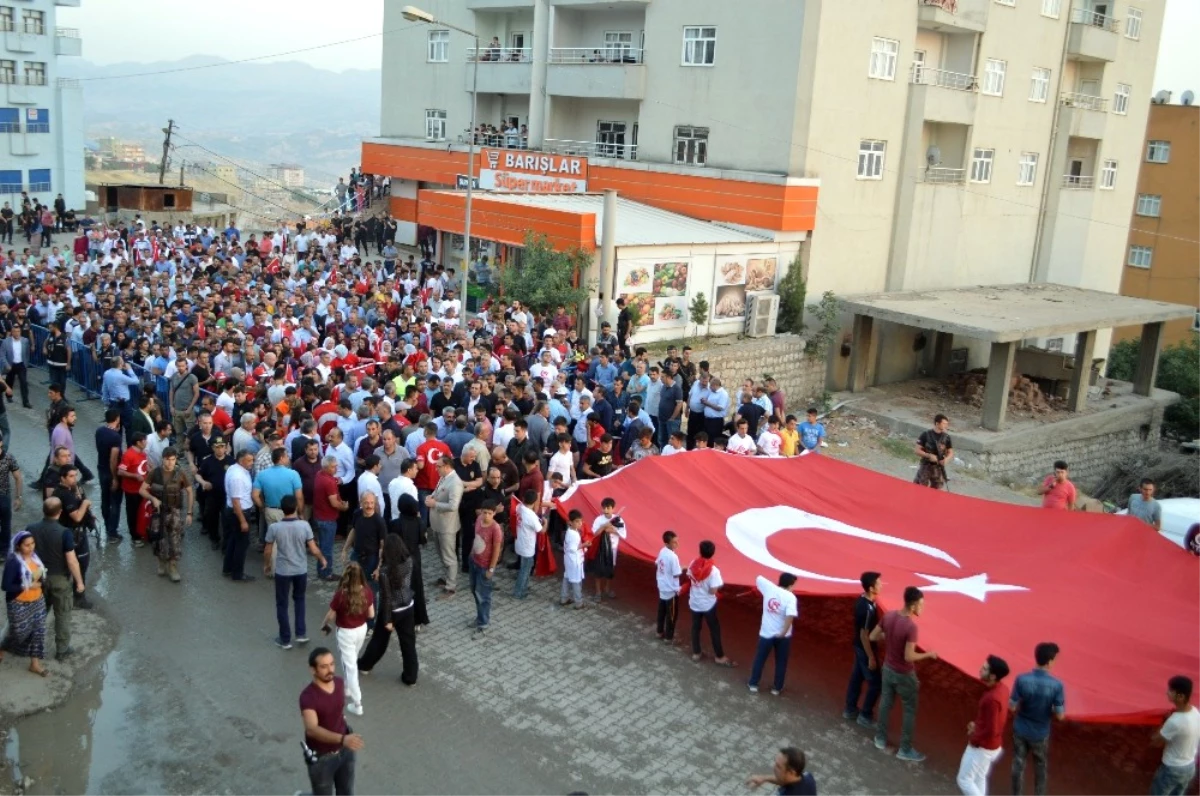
(505, 222)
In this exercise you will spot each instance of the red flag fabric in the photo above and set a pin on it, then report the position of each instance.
(1120, 601)
(143, 520)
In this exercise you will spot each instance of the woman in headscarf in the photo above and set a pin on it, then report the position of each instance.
(22, 581)
(396, 610)
(413, 531)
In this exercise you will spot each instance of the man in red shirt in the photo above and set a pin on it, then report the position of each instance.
(899, 633)
(428, 453)
(985, 734)
(1056, 490)
(327, 507)
(132, 471)
(330, 743)
(485, 554)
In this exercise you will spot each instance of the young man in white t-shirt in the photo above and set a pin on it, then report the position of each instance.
(666, 574)
(529, 525)
(780, 610)
(705, 581)
(572, 583)
(741, 443)
(1180, 737)
(563, 462)
(675, 444)
(769, 441)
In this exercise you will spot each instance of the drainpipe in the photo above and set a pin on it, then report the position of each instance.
(608, 256)
(1048, 179)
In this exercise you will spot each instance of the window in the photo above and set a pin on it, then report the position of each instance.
(1140, 256)
(10, 182)
(37, 120)
(33, 21)
(39, 180)
(1027, 168)
(8, 71)
(1121, 99)
(1007, 2)
(1158, 151)
(1054, 345)
(1149, 204)
(7, 23)
(1108, 175)
(918, 66)
(35, 73)
(1051, 8)
(699, 46)
(993, 77)
(618, 46)
(1039, 86)
(439, 46)
(610, 141)
(10, 120)
(691, 145)
(883, 58)
(981, 164)
(1133, 23)
(435, 125)
(870, 159)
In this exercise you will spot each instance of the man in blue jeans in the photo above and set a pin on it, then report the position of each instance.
(1180, 737)
(485, 553)
(1037, 698)
(290, 539)
(898, 630)
(866, 662)
(780, 610)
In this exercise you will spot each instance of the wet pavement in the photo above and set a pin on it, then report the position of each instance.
(195, 697)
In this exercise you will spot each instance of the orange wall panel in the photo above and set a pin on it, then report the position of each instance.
(506, 222)
(403, 209)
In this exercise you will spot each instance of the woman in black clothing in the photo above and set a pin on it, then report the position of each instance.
(415, 533)
(395, 583)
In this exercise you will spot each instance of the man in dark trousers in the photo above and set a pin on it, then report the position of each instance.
(55, 546)
(14, 361)
(624, 322)
(330, 746)
(867, 666)
(108, 459)
(898, 631)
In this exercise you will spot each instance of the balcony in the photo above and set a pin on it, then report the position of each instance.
(498, 5)
(67, 3)
(21, 89)
(1083, 115)
(944, 96)
(502, 70)
(1093, 36)
(953, 16)
(937, 175)
(596, 73)
(591, 149)
(1078, 182)
(21, 41)
(23, 142)
(67, 42)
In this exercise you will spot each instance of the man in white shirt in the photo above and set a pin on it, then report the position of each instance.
(741, 443)
(369, 480)
(1180, 737)
(240, 516)
(529, 525)
(158, 442)
(666, 575)
(675, 444)
(702, 600)
(769, 441)
(545, 369)
(780, 610)
(403, 484)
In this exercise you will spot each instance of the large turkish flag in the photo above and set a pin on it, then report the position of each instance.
(1122, 602)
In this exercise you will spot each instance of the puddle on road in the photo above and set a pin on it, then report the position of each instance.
(75, 747)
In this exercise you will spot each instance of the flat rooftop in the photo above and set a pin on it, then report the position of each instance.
(1006, 313)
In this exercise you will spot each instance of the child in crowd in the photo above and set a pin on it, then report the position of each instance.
(675, 445)
(667, 574)
(769, 442)
(812, 433)
(572, 583)
(529, 525)
(604, 562)
(790, 436)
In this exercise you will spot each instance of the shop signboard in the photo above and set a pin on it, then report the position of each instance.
(522, 171)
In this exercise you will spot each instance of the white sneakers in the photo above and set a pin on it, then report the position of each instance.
(355, 708)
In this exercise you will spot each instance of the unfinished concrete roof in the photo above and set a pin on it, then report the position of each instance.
(1003, 313)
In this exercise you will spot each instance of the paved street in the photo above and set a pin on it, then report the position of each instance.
(195, 697)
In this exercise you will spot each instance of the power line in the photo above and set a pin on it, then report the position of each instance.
(290, 211)
(276, 183)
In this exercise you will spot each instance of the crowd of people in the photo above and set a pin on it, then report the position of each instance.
(288, 389)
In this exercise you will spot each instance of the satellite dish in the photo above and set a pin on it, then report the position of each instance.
(1162, 97)
(1188, 97)
(933, 156)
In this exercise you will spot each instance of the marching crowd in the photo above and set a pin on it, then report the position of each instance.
(288, 390)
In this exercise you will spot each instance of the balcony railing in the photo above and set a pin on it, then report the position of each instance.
(596, 55)
(10, 127)
(22, 80)
(500, 55)
(950, 6)
(67, 82)
(11, 187)
(499, 140)
(70, 33)
(37, 127)
(39, 187)
(1078, 182)
(1086, 16)
(1085, 101)
(591, 149)
(944, 176)
(925, 76)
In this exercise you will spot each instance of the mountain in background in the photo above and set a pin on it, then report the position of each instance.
(258, 112)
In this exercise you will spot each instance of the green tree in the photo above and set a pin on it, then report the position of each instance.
(792, 292)
(698, 311)
(547, 278)
(1122, 360)
(1178, 371)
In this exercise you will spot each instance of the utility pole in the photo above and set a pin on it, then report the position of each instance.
(181, 165)
(162, 168)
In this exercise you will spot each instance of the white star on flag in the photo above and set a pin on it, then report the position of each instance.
(975, 586)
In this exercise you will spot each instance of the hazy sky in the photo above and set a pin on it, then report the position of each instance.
(162, 30)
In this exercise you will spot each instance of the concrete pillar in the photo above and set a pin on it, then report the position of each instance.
(863, 353)
(1081, 377)
(608, 257)
(537, 82)
(1147, 366)
(943, 343)
(911, 171)
(995, 398)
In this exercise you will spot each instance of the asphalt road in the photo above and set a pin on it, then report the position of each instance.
(195, 697)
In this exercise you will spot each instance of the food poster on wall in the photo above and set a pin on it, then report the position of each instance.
(635, 285)
(657, 288)
(738, 276)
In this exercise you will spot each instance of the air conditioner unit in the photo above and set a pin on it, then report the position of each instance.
(762, 311)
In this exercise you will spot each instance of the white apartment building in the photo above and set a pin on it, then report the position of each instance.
(42, 113)
(956, 142)
(289, 175)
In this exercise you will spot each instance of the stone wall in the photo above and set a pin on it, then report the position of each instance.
(801, 376)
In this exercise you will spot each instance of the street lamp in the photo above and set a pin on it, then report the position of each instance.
(414, 14)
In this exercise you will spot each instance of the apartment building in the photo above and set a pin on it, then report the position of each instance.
(42, 113)
(954, 142)
(1163, 258)
(289, 175)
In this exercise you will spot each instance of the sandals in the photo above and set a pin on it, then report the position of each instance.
(39, 672)
(726, 664)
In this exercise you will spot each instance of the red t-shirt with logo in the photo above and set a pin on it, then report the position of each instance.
(429, 452)
(134, 461)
